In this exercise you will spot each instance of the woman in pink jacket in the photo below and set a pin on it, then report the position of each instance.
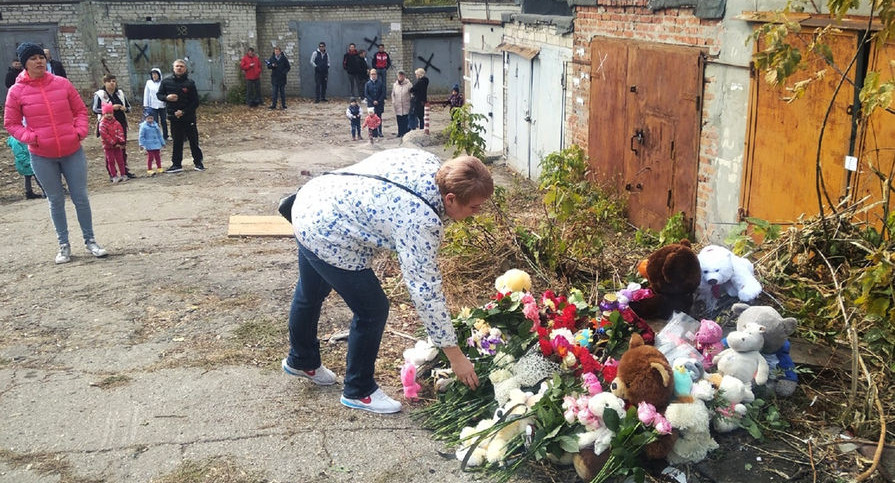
(45, 112)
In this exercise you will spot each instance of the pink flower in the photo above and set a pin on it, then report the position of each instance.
(530, 310)
(662, 425)
(646, 412)
(527, 299)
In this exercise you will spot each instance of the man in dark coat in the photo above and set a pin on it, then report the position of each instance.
(320, 62)
(54, 66)
(374, 93)
(279, 66)
(356, 68)
(14, 69)
(181, 101)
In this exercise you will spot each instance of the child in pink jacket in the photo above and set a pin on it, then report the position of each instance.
(112, 135)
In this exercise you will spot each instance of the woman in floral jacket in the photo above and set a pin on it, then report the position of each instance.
(393, 200)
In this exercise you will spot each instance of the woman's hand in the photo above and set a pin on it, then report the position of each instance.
(462, 367)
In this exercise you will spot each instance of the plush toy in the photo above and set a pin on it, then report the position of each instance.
(644, 375)
(686, 372)
(423, 351)
(408, 380)
(725, 273)
(674, 275)
(513, 280)
(493, 447)
(743, 359)
(708, 341)
(735, 392)
(595, 440)
(694, 442)
(776, 344)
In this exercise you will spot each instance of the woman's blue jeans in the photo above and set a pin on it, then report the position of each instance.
(49, 172)
(363, 293)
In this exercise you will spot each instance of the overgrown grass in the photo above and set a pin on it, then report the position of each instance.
(45, 464)
(216, 469)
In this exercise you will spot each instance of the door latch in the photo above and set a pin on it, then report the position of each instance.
(638, 136)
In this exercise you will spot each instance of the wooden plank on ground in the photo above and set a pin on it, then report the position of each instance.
(244, 225)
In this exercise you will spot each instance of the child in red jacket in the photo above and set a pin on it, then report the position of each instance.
(112, 135)
(372, 123)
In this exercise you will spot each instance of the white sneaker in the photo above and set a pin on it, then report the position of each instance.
(64, 255)
(320, 376)
(94, 249)
(378, 402)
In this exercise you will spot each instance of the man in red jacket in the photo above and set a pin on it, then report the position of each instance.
(251, 65)
(382, 62)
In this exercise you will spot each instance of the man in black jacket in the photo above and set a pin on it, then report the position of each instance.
(279, 67)
(14, 69)
(356, 68)
(54, 66)
(182, 100)
(320, 62)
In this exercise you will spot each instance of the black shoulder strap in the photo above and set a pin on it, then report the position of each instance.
(386, 180)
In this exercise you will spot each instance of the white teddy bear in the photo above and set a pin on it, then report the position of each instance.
(724, 272)
(743, 359)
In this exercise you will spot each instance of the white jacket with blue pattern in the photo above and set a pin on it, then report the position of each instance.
(344, 220)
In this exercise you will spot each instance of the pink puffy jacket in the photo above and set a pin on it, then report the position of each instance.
(56, 116)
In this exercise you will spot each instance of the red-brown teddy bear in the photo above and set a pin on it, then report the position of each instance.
(644, 375)
(674, 275)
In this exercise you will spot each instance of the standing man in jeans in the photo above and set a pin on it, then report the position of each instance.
(251, 65)
(181, 100)
(279, 66)
(320, 62)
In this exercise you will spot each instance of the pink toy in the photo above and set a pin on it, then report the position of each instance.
(592, 383)
(708, 341)
(408, 380)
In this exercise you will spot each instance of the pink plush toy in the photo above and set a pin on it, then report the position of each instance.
(408, 380)
(708, 341)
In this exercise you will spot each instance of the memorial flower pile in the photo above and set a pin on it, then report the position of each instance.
(559, 382)
(534, 354)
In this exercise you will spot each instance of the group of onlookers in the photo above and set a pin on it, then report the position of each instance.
(366, 83)
(47, 120)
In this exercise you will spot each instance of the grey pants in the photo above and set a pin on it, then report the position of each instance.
(49, 172)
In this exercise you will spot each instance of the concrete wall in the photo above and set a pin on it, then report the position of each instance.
(540, 35)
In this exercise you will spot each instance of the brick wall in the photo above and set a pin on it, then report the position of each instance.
(69, 37)
(631, 19)
(91, 33)
(237, 23)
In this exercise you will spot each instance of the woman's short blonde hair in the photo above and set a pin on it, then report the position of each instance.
(420, 71)
(466, 177)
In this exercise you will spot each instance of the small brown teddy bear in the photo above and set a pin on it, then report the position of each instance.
(645, 375)
(674, 275)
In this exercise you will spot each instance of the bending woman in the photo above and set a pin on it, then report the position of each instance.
(394, 200)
